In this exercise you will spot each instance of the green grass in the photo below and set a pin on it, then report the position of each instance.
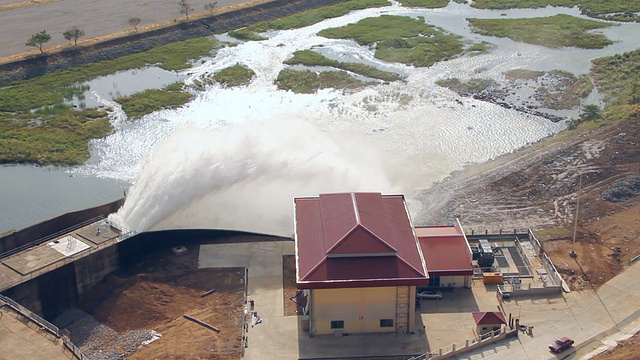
(482, 47)
(522, 74)
(236, 75)
(52, 135)
(618, 77)
(621, 10)
(553, 32)
(306, 18)
(430, 4)
(148, 101)
(401, 39)
(309, 82)
(245, 34)
(472, 86)
(53, 88)
(312, 58)
(58, 134)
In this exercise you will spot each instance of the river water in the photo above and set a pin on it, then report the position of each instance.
(235, 158)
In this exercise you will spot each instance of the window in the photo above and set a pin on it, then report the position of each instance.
(386, 322)
(337, 324)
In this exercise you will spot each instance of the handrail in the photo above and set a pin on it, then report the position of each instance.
(27, 313)
(50, 236)
(43, 324)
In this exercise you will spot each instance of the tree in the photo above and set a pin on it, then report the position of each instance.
(185, 8)
(590, 112)
(38, 40)
(134, 21)
(210, 6)
(73, 33)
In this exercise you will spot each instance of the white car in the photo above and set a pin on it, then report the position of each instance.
(429, 295)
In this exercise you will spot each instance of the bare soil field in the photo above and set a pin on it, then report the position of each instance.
(625, 350)
(157, 295)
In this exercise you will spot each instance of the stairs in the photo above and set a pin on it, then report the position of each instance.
(402, 309)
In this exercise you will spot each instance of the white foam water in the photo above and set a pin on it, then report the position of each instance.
(234, 158)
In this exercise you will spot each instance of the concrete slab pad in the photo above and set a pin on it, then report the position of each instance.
(224, 255)
(98, 232)
(20, 341)
(8, 276)
(33, 259)
(68, 245)
(442, 330)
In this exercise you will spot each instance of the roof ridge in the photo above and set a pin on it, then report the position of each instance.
(426, 273)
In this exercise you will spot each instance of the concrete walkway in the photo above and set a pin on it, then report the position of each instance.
(589, 317)
(20, 339)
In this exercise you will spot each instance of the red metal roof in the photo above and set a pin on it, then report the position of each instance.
(488, 318)
(356, 239)
(446, 250)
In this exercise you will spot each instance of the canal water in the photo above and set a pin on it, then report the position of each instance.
(235, 157)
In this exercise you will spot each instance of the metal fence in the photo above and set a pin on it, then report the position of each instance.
(50, 237)
(44, 325)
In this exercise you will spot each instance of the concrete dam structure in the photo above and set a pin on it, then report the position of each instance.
(75, 251)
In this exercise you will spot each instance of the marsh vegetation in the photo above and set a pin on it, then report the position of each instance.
(401, 39)
(37, 126)
(553, 32)
(312, 58)
(305, 18)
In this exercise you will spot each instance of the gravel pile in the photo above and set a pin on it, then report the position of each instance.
(622, 190)
(98, 341)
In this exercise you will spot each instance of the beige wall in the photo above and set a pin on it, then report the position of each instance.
(483, 329)
(455, 281)
(360, 308)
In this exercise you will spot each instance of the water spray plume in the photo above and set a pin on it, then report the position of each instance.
(245, 177)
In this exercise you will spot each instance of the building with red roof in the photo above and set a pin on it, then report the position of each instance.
(359, 261)
(447, 254)
(488, 321)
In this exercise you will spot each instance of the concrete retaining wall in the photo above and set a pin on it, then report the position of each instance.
(92, 269)
(15, 239)
(533, 291)
(51, 293)
(469, 346)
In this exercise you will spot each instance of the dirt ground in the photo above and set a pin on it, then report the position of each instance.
(538, 188)
(625, 350)
(157, 295)
(289, 287)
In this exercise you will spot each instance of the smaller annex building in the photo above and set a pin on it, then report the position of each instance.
(447, 254)
(488, 321)
(359, 261)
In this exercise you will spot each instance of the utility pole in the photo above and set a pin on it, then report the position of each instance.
(572, 253)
